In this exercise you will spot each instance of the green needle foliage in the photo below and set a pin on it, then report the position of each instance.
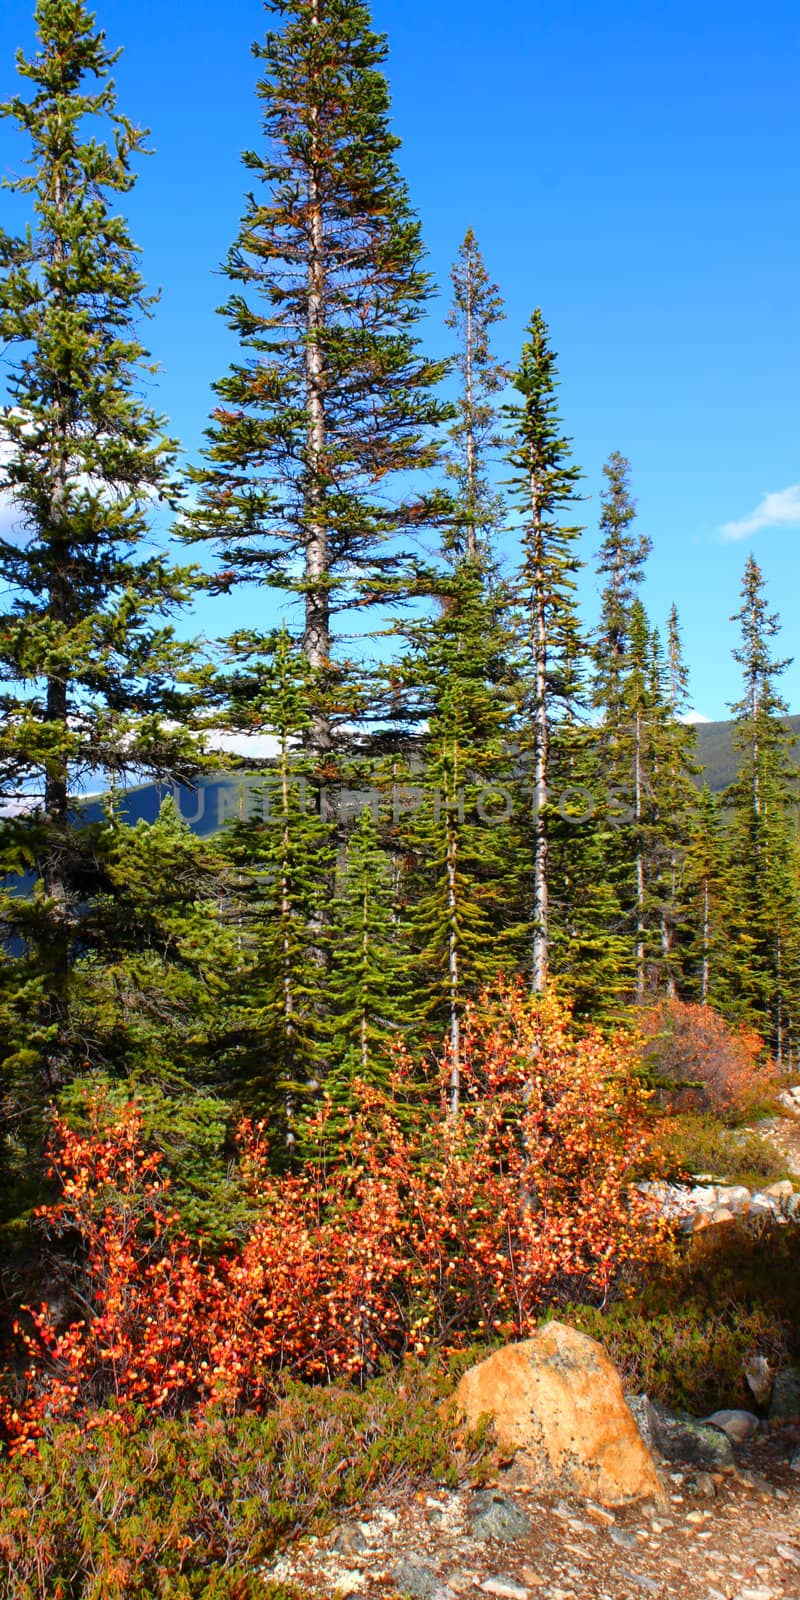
(477, 307)
(88, 666)
(331, 402)
(284, 856)
(372, 999)
(456, 840)
(763, 963)
(544, 487)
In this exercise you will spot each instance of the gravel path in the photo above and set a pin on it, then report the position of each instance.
(733, 1536)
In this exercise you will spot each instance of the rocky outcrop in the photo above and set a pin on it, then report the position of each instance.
(785, 1403)
(674, 1436)
(556, 1400)
(699, 1205)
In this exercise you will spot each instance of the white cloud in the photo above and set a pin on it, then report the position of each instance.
(258, 746)
(781, 509)
(693, 717)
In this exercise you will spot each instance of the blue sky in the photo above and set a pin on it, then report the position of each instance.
(630, 167)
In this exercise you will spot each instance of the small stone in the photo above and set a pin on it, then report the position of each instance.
(760, 1378)
(533, 1579)
(599, 1514)
(697, 1517)
(504, 1589)
(349, 1540)
(492, 1516)
(780, 1191)
(740, 1426)
(704, 1484)
(641, 1581)
(787, 1552)
(413, 1577)
(627, 1541)
(755, 1594)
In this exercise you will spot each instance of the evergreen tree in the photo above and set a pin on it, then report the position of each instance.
(155, 966)
(477, 307)
(459, 887)
(707, 903)
(372, 1002)
(676, 806)
(88, 666)
(331, 402)
(545, 487)
(762, 951)
(285, 855)
(621, 562)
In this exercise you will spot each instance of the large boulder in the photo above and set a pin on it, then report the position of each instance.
(557, 1401)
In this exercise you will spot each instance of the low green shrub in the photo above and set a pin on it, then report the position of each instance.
(698, 1142)
(684, 1336)
(181, 1510)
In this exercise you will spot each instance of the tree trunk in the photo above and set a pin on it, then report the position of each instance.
(640, 874)
(540, 776)
(317, 634)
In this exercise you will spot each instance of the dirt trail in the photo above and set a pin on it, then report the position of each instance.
(718, 1537)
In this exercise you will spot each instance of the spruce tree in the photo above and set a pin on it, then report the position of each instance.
(330, 403)
(477, 307)
(459, 883)
(88, 665)
(371, 997)
(621, 563)
(284, 853)
(762, 952)
(676, 805)
(544, 486)
(707, 902)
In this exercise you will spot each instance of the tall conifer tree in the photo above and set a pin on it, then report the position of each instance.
(763, 945)
(88, 666)
(331, 401)
(476, 309)
(544, 486)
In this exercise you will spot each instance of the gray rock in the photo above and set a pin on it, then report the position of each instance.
(414, 1577)
(640, 1408)
(492, 1516)
(625, 1540)
(740, 1426)
(735, 1196)
(349, 1540)
(785, 1403)
(760, 1379)
(675, 1436)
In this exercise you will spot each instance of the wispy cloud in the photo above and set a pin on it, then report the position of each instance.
(778, 510)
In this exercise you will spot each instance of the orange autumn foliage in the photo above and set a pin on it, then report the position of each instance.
(703, 1063)
(419, 1231)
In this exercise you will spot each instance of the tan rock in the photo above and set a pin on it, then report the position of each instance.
(557, 1400)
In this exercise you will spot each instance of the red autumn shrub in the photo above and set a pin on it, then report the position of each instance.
(703, 1063)
(423, 1230)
